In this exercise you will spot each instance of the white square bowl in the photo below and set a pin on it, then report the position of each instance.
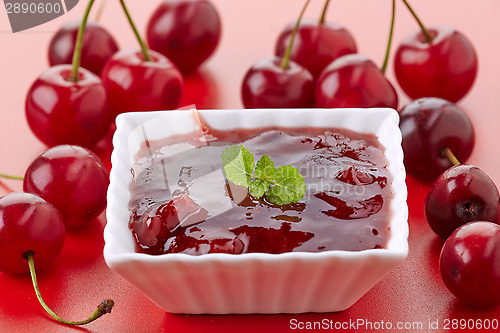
(216, 283)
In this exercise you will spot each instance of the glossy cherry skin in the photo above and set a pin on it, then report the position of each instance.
(155, 226)
(71, 178)
(267, 85)
(98, 46)
(28, 223)
(60, 111)
(446, 67)
(354, 80)
(185, 31)
(134, 84)
(428, 126)
(469, 264)
(316, 44)
(463, 193)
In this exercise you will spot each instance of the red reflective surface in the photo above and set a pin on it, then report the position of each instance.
(412, 295)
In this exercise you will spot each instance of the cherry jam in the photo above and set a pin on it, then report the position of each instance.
(181, 201)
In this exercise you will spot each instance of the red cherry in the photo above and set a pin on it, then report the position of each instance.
(71, 178)
(354, 81)
(461, 194)
(98, 46)
(469, 264)
(28, 223)
(445, 67)
(185, 31)
(60, 111)
(155, 226)
(134, 84)
(268, 85)
(316, 44)
(429, 126)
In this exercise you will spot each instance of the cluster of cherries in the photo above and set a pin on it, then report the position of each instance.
(64, 188)
(316, 65)
(462, 205)
(71, 107)
(91, 81)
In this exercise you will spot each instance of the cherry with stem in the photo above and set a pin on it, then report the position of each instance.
(317, 42)
(353, 81)
(427, 35)
(461, 194)
(31, 229)
(279, 82)
(435, 62)
(67, 104)
(436, 131)
(141, 80)
(98, 45)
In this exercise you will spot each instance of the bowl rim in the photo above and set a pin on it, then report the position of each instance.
(120, 146)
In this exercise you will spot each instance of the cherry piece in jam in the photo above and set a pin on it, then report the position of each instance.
(153, 228)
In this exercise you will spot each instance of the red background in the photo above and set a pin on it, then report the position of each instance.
(79, 279)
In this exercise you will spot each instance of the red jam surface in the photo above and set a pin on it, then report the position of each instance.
(181, 202)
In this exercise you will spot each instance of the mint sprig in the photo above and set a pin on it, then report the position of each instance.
(281, 186)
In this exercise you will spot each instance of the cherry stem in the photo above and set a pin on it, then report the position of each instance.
(288, 52)
(427, 35)
(323, 14)
(449, 155)
(389, 41)
(77, 54)
(98, 15)
(102, 309)
(144, 49)
(3, 175)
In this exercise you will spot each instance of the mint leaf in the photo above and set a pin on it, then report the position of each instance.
(265, 168)
(258, 187)
(238, 165)
(281, 186)
(289, 186)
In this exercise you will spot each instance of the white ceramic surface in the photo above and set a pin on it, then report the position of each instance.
(253, 282)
